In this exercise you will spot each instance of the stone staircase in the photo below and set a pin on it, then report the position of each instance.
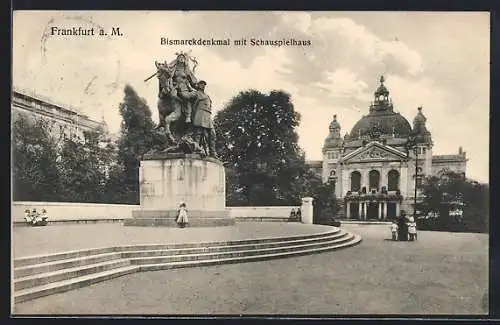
(38, 276)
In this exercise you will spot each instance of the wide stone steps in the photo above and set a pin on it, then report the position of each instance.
(86, 266)
(237, 253)
(156, 267)
(31, 260)
(38, 276)
(70, 284)
(63, 264)
(65, 274)
(247, 246)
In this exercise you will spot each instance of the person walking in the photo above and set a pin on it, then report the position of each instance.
(394, 230)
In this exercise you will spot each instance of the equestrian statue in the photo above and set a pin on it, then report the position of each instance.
(184, 108)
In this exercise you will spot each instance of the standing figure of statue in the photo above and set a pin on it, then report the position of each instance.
(176, 81)
(202, 122)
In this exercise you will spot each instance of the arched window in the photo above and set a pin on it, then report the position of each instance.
(355, 181)
(332, 173)
(393, 180)
(374, 178)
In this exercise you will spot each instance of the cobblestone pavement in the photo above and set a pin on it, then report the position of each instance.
(59, 238)
(441, 273)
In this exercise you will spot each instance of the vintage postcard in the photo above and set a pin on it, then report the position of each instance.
(250, 163)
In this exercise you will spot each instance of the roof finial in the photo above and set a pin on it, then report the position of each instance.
(382, 79)
(334, 117)
(420, 108)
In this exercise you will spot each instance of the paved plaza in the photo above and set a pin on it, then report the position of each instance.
(441, 273)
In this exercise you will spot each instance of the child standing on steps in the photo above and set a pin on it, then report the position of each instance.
(182, 217)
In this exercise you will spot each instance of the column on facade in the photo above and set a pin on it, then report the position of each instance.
(385, 210)
(360, 210)
(366, 180)
(403, 180)
(348, 210)
(364, 210)
(380, 210)
(384, 178)
(339, 187)
(398, 209)
(346, 182)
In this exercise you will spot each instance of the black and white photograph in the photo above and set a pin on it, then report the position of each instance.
(250, 163)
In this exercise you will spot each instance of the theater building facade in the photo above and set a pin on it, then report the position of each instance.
(377, 165)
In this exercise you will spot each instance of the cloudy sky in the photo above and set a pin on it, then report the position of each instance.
(437, 60)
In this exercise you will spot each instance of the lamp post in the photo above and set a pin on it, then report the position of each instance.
(413, 146)
(416, 176)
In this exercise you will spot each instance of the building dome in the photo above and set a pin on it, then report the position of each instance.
(389, 123)
(382, 120)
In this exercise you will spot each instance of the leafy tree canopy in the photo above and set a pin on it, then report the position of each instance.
(257, 140)
(440, 192)
(35, 175)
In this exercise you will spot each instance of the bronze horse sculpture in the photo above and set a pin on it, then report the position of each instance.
(176, 82)
(169, 103)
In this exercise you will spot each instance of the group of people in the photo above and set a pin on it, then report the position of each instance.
(295, 215)
(411, 226)
(35, 218)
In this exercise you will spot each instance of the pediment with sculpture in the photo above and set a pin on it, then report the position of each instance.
(375, 153)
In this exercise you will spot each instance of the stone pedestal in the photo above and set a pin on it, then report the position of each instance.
(307, 210)
(168, 179)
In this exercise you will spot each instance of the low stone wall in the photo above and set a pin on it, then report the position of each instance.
(281, 213)
(67, 211)
(94, 212)
(361, 222)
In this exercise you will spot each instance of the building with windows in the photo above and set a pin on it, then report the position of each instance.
(378, 167)
(67, 120)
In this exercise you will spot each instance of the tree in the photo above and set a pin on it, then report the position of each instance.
(476, 211)
(257, 141)
(325, 205)
(35, 176)
(83, 166)
(234, 193)
(439, 192)
(136, 138)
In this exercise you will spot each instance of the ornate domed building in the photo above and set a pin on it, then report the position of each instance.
(375, 167)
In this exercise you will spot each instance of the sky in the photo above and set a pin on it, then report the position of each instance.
(437, 60)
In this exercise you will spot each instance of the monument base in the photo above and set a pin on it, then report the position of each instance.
(168, 179)
(167, 218)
